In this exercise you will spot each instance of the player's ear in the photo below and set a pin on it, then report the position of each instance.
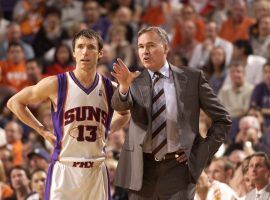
(100, 53)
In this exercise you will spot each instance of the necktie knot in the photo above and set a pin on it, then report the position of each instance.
(156, 76)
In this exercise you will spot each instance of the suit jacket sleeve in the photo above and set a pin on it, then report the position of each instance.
(221, 122)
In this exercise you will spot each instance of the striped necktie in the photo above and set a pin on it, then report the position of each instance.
(159, 137)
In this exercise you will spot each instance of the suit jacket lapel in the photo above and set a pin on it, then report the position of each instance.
(180, 81)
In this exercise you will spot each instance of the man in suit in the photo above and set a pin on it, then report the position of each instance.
(163, 154)
(259, 174)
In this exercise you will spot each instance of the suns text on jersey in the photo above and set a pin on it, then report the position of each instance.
(85, 113)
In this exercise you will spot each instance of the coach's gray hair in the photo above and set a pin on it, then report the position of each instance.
(160, 31)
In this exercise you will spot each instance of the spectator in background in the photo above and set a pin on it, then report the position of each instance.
(261, 8)
(38, 180)
(12, 70)
(5, 189)
(123, 16)
(242, 52)
(62, 62)
(221, 169)
(261, 43)
(6, 158)
(240, 182)
(213, 190)
(202, 50)
(14, 35)
(93, 19)
(14, 134)
(216, 69)
(219, 13)
(259, 174)
(29, 14)
(189, 42)
(120, 45)
(188, 13)
(50, 34)
(237, 25)
(38, 159)
(235, 97)
(3, 26)
(33, 72)
(261, 96)
(20, 183)
(71, 11)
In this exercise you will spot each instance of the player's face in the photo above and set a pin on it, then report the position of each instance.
(86, 53)
(152, 51)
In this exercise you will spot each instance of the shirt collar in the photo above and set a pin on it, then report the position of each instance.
(261, 190)
(165, 70)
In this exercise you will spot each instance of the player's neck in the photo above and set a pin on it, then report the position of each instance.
(86, 77)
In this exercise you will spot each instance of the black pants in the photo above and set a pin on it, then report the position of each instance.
(164, 180)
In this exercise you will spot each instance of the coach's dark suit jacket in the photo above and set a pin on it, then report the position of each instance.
(192, 93)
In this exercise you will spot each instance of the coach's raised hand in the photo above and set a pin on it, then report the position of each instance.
(123, 75)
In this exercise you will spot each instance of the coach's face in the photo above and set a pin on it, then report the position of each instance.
(152, 50)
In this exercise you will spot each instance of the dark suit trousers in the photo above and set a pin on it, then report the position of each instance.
(164, 180)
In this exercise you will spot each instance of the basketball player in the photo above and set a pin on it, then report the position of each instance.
(81, 114)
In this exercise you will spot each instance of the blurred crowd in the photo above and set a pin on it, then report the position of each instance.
(228, 39)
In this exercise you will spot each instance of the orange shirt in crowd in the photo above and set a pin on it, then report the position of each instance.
(232, 32)
(12, 75)
(17, 152)
(57, 69)
(6, 191)
(200, 29)
(155, 14)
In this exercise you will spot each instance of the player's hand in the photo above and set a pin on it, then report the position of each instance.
(47, 135)
(123, 75)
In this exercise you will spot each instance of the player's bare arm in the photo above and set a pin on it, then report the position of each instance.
(120, 118)
(46, 89)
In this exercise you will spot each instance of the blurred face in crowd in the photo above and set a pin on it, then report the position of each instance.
(258, 171)
(248, 184)
(266, 75)
(62, 55)
(152, 50)
(19, 179)
(13, 132)
(123, 15)
(264, 26)
(237, 74)
(187, 12)
(189, 30)
(217, 56)
(216, 171)
(15, 54)
(36, 162)
(33, 71)
(14, 33)
(52, 23)
(238, 8)
(91, 11)
(211, 30)
(38, 182)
